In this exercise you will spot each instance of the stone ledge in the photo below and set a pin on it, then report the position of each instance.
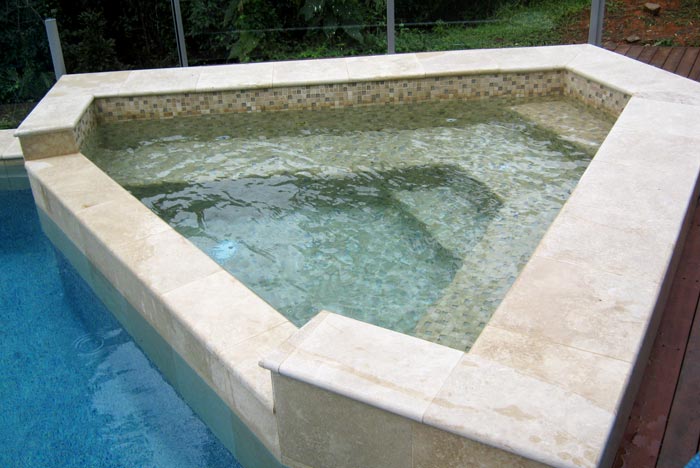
(608, 203)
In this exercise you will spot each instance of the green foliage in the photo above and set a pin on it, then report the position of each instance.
(263, 29)
(447, 10)
(516, 24)
(12, 114)
(614, 7)
(107, 35)
(88, 48)
(25, 63)
(666, 42)
(267, 30)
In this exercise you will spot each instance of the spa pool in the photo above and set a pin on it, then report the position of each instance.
(416, 218)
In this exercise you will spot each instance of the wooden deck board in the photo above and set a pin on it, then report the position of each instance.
(634, 51)
(674, 59)
(647, 54)
(660, 56)
(656, 411)
(663, 430)
(682, 434)
(694, 73)
(683, 61)
(623, 49)
(688, 60)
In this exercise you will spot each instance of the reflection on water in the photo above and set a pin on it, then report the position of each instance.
(414, 217)
(350, 244)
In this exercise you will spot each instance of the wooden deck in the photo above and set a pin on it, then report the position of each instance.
(664, 428)
(683, 61)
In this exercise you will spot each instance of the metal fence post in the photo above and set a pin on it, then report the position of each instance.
(595, 30)
(59, 68)
(179, 33)
(390, 38)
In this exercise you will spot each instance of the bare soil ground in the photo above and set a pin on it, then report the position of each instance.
(677, 24)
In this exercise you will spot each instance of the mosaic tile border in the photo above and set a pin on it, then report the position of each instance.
(595, 94)
(87, 123)
(517, 85)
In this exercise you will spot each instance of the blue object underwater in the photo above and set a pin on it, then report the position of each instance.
(224, 250)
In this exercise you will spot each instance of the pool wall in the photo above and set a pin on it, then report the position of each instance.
(13, 176)
(232, 432)
(551, 378)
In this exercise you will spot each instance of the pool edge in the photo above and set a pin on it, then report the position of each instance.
(578, 211)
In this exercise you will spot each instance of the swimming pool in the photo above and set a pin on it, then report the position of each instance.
(567, 339)
(75, 387)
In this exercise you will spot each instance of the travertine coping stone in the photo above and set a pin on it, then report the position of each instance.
(9, 145)
(49, 130)
(220, 327)
(550, 378)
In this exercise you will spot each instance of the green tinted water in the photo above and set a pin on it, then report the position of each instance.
(415, 217)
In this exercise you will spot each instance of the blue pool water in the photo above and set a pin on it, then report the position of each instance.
(75, 390)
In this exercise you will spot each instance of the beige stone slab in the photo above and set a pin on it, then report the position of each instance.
(6, 139)
(615, 70)
(121, 219)
(309, 72)
(219, 309)
(144, 269)
(457, 62)
(579, 307)
(46, 145)
(194, 350)
(646, 200)
(61, 215)
(54, 114)
(321, 429)
(273, 360)
(671, 88)
(597, 378)
(433, 448)
(501, 407)
(102, 84)
(58, 170)
(660, 118)
(245, 358)
(248, 387)
(380, 367)
(75, 180)
(675, 97)
(160, 81)
(65, 185)
(635, 147)
(37, 188)
(384, 67)
(13, 150)
(641, 253)
(239, 76)
(523, 59)
(165, 261)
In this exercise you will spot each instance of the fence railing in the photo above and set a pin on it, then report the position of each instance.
(594, 36)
